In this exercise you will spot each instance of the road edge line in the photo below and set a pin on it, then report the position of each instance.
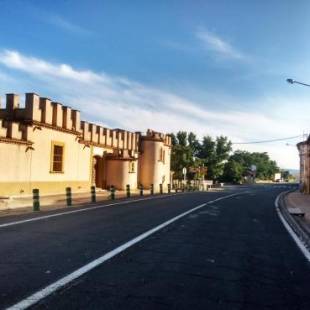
(302, 247)
(48, 290)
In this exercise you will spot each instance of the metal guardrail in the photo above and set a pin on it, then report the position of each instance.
(297, 227)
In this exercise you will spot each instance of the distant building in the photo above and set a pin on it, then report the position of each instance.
(304, 155)
(45, 145)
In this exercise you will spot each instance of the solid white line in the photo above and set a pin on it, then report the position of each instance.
(33, 219)
(41, 294)
(292, 233)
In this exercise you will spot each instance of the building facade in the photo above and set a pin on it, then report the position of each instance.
(45, 145)
(304, 156)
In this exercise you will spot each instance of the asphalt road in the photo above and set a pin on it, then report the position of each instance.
(230, 254)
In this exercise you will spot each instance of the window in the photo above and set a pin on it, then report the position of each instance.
(162, 155)
(57, 157)
(132, 167)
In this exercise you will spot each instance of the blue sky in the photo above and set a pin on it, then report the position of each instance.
(214, 67)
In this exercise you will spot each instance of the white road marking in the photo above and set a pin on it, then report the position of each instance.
(299, 243)
(43, 293)
(33, 219)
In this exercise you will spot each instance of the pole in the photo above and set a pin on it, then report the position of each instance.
(36, 199)
(68, 196)
(93, 193)
(128, 190)
(112, 192)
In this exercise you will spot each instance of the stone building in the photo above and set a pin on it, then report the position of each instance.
(304, 155)
(45, 145)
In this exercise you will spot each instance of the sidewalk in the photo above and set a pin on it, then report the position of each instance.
(22, 205)
(297, 207)
(298, 200)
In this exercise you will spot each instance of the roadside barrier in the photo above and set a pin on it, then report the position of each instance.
(128, 191)
(93, 193)
(160, 188)
(36, 199)
(112, 192)
(152, 189)
(69, 196)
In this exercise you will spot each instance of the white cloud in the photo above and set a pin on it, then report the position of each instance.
(62, 23)
(120, 102)
(219, 46)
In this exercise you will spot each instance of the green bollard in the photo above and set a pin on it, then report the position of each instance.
(160, 188)
(128, 190)
(36, 199)
(93, 193)
(68, 196)
(141, 190)
(169, 188)
(112, 192)
(152, 189)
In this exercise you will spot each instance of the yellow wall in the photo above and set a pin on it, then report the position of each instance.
(118, 174)
(151, 169)
(25, 162)
(33, 167)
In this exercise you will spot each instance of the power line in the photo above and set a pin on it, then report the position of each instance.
(267, 141)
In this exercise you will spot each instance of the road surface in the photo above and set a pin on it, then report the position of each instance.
(228, 253)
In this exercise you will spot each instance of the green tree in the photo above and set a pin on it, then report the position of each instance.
(265, 167)
(214, 154)
(181, 154)
(188, 152)
(233, 172)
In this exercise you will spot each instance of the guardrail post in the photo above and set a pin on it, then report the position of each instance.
(169, 188)
(141, 190)
(36, 199)
(152, 189)
(160, 188)
(112, 192)
(128, 190)
(68, 196)
(93, 193)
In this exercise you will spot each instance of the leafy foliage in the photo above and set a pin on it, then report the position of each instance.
(240, 162)
(189, 152)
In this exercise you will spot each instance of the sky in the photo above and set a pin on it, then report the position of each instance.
(211, 67)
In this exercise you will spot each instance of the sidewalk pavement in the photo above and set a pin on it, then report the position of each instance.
(22, 205)
(298, 207)
(298, 200)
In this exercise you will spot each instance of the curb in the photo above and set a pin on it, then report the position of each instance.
(297, 232)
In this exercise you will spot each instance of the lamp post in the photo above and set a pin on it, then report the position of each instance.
(305, 152)
(291, 81)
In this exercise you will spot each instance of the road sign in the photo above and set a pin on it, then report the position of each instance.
(184, 170)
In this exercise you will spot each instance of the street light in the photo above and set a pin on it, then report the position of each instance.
(291, 81)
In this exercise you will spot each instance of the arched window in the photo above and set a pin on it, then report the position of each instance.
(132, 167)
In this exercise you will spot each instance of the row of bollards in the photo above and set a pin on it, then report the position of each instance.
(36, 193)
